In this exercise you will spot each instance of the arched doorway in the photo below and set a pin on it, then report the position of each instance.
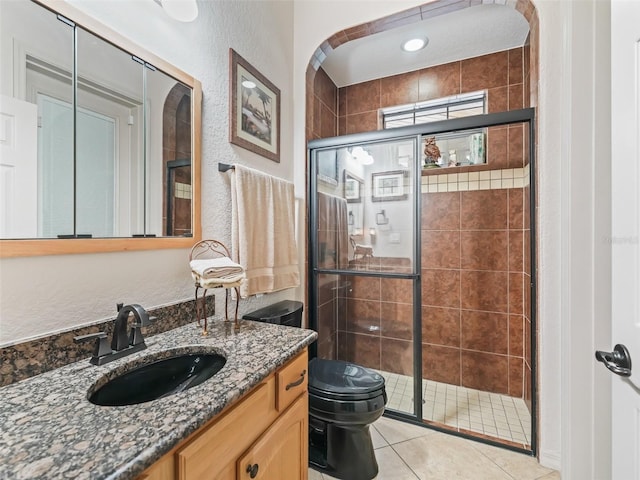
(322, 123)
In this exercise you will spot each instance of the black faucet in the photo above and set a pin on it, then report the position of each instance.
(122, 343)
(121, 339)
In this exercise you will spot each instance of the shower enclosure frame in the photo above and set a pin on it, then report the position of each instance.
(415, 133)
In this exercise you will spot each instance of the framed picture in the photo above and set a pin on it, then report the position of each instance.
(388, 186)
(254, 110)
(327, 164)
(352, 187)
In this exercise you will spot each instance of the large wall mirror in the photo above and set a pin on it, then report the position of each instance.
(99, 139)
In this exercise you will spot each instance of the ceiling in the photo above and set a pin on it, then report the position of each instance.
(465, 33)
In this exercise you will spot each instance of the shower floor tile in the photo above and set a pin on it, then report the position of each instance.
(499, 416)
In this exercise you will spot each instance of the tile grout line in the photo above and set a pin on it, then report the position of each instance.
(403, 460)
(442, 398)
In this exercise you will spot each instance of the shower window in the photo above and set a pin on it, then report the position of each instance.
(445, 108)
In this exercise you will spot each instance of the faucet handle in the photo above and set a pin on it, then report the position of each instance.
(135, 336)
(144, 321)
(102, 347)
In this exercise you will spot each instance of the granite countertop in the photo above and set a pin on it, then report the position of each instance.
(50, 430)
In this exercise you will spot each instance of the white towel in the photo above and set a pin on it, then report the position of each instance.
(220, 267)
(263, 231)
(217, 272)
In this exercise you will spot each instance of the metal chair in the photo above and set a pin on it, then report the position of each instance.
(210, 249)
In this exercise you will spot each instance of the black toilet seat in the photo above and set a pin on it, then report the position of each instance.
(343, 381)
(345, 393)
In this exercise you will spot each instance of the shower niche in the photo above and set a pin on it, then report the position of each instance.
(426, 275)
(454, 149)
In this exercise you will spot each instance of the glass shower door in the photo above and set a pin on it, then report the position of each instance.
(365, 266)
(423, 268)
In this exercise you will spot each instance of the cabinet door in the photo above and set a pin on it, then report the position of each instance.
(212, 454)
(281, 452)
(163, 469)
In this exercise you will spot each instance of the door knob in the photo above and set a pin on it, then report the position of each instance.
(618, 361)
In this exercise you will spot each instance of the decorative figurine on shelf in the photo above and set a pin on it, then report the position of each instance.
(431, 153)
(453, 160)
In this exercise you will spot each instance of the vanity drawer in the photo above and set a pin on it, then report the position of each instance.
(211, 454)
(291, 381)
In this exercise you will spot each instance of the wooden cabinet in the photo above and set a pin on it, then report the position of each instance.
(266, 430)
(275, 454)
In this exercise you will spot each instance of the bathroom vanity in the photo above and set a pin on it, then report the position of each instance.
(247, 421)
(263, 435)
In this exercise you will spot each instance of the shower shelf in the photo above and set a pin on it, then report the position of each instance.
(461, 169)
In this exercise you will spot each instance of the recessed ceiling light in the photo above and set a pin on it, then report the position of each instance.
(415, 44)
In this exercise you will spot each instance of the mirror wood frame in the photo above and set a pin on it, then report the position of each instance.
(39, 247)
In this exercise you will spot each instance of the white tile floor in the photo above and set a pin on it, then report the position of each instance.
(499, 416)
(410, 452)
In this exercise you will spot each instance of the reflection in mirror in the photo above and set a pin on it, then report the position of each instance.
(352, 187)
(101, 147)
(37, 120)
(169, 183)
(353, 190)
(109, 122)
(376, 177)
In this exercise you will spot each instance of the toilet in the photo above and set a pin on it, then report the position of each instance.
(344, 399)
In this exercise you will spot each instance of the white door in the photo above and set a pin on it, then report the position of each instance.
(18, 168)
(625, 66)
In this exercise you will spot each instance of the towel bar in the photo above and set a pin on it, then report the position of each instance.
(223, 167)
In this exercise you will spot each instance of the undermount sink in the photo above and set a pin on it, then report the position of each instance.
(158, 379)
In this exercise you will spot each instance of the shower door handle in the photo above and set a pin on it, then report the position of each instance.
(618, 361)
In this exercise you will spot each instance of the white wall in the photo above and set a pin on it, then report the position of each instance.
(574, 213)
(42, 295)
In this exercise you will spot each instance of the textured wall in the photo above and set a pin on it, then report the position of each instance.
(42, 295)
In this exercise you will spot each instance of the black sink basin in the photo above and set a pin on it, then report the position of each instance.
(158, 379)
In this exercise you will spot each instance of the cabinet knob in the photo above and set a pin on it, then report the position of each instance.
(252, 470)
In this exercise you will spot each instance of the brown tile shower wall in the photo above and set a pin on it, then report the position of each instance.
(376, 325)
(474, 283)
(471, 336)
(502, 74)
(325, 106)
(328, 302)
(475, 307)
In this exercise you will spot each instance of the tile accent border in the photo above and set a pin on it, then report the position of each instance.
(484, 180)
(36, 356)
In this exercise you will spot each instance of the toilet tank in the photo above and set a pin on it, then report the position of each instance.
(286, 312)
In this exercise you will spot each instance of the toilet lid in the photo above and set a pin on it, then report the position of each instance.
(343, 378)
